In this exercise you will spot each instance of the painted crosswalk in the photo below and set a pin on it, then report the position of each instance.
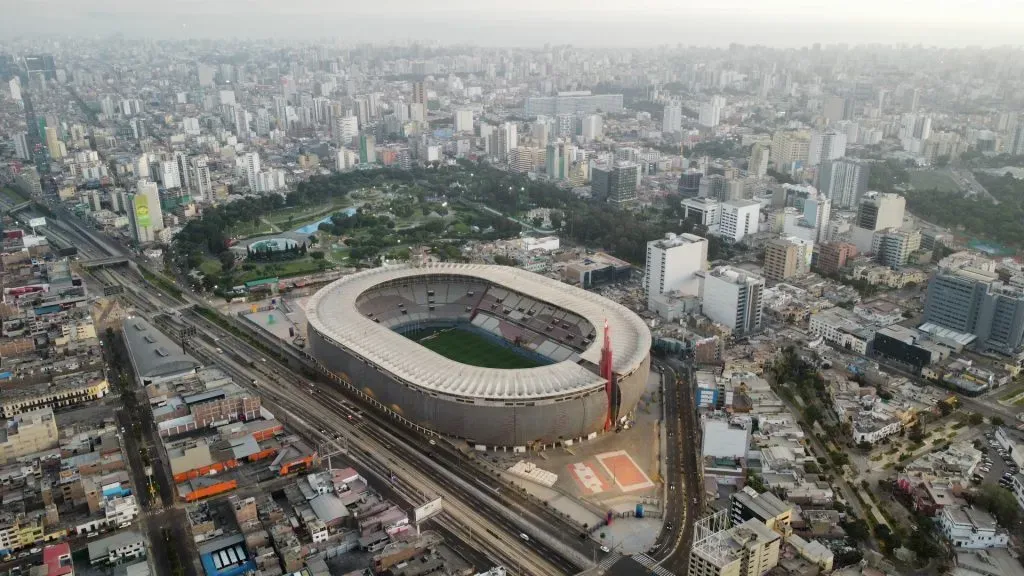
(651, 564)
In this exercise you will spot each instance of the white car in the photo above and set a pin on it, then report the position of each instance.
(605, 549)
(524, 537)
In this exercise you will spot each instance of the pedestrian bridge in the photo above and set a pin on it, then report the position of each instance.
(105, 262)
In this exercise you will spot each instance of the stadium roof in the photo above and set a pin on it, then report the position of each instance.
(332, 311)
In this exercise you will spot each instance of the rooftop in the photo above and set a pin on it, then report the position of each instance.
(154, 354)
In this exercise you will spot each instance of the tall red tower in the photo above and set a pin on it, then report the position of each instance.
(609, 377)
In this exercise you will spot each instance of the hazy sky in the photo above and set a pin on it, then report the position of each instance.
(531, 22)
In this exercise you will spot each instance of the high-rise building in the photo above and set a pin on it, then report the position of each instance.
(879, 211)
(251, 165)
(539, 133)
(711, 112)
(757, 164)
(817, 215)
(169, 174)
(739, 218)
(241, 119)
(616, 184)
(573, 103)
(15, 87)
(419, 93)
(593, 127)
(345, 129)
(975, 302)
(672, 118)
(53, 144)
(184, 173)
(463, 120)
(876, 212)
(828, 145)
(1016, 145)
(558, 160)
(892, 247)
(20, 142)
(145, 216)
(833, 109)
(202, 187)
(506, 138)
(689, 182)
(790, 151)
(843, 181)
(672, 265)
(832, 257)
(734, 298)
(782, 260)
(367, 149)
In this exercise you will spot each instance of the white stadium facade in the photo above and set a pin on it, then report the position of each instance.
(356, 327)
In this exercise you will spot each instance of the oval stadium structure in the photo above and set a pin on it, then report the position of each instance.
(494, 355)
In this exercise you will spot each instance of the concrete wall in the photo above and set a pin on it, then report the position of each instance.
(488, 423)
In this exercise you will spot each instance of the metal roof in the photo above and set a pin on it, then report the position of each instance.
(153, 353)
(332, 311)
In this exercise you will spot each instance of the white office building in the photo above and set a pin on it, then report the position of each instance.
(202, 187)
(673, 264)
(711, 112)
(593, 127)
(463, 120)
(251, 166)
(169, 175)
(703, 211)
(824, 146)
(672, 118)
(739, 218)
(734, 298)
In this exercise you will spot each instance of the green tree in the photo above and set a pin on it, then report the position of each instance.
(318, 255)
(997, 421)
(227, 260)
(974, 419)
(1000, 502)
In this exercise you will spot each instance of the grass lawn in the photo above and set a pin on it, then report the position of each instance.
(210, 267)
(469, 348)
(933, 180)
(306, 214)
(12, 195)
(247, 229)
(279, 269)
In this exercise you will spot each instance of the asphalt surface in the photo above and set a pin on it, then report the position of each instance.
(687, 506)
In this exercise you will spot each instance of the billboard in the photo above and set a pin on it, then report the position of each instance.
(432, 508)
(142, 211)
(37, 222)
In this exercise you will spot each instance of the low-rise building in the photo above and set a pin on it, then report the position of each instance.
(969, 527)
(117, 548)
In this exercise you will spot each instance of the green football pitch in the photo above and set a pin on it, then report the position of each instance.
(469, 348)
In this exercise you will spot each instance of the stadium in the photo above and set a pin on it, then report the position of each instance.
(494, 355)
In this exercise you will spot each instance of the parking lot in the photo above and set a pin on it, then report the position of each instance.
(998, 466)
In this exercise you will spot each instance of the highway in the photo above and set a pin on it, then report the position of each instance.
(683, 460)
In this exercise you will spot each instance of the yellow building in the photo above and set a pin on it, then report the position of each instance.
(28, 433)
(61, 392)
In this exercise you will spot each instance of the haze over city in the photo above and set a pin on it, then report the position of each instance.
(542, 288)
